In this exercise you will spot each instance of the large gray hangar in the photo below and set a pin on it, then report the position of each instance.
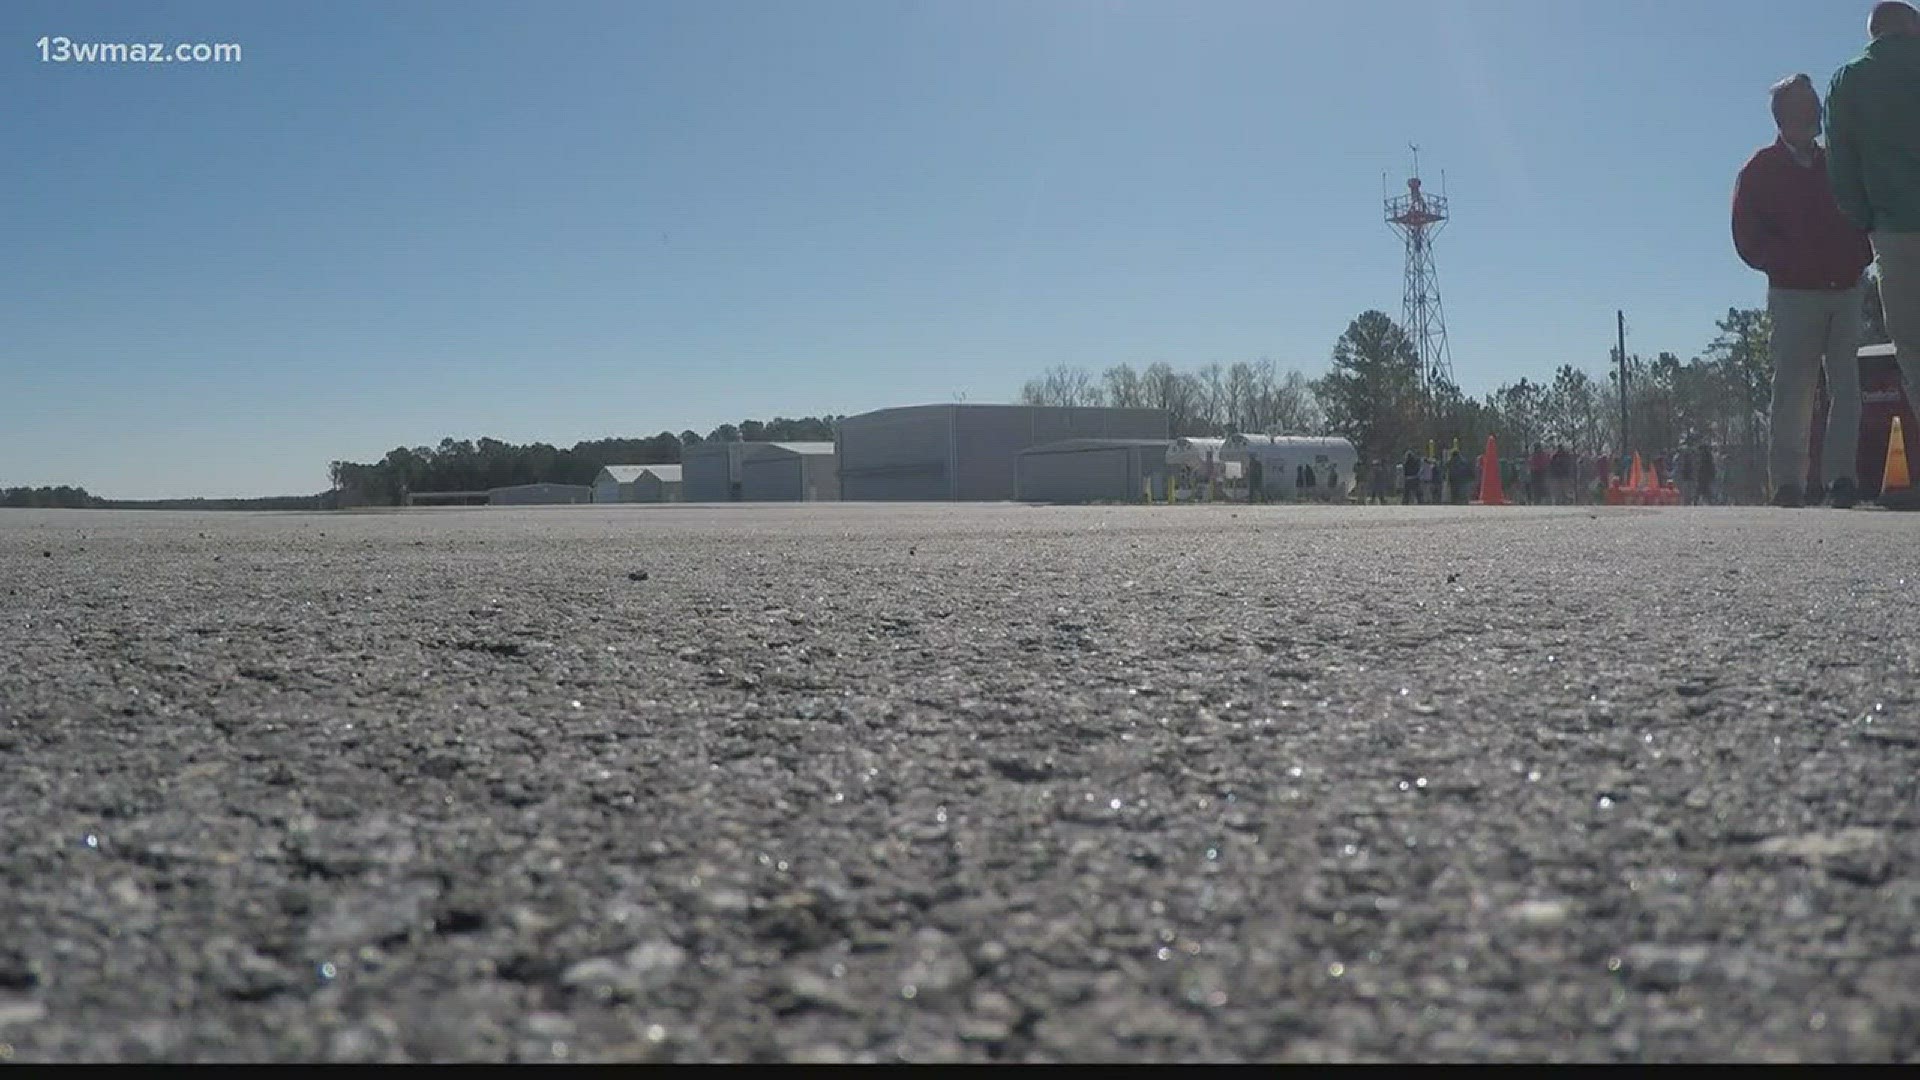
(1093, 470)
(936, 453)
(710, 471)
(789, 472)
(717, 472)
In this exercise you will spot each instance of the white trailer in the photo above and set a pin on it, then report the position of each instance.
(1333, 460)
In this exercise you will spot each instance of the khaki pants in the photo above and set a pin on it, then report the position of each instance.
(1898, 256)
(1812, 328)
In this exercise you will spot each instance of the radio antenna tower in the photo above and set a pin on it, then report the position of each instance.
(1417, 217)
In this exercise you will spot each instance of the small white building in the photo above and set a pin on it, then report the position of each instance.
(637, 483)
(658, 483)
(1198, 464)
(615, 483)
(790, 472)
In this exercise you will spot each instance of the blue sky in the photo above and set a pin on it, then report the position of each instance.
(397, 221)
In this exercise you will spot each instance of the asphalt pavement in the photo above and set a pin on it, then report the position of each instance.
(960, 783)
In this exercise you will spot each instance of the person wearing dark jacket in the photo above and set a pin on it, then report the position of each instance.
(1873, 161)
(1459, 477)
(1537, 463)
(1560, 476)
(1410, 480)
(1787, 225)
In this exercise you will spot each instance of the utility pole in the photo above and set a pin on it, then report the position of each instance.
(1621, 322)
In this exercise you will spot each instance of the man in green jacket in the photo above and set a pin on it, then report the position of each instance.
(1873, 161)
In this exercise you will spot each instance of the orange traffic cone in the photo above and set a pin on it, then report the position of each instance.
(1894, 476)
(1896, 487)
(1634, 478)
(1490, 492)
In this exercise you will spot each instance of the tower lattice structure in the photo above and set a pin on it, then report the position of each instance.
(1417, 218)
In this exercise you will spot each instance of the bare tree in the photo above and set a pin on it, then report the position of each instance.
(1296, 406)
(1123, 387)
(1176, 393)
(1211, 409)
(1061, 385)
(1241, 397)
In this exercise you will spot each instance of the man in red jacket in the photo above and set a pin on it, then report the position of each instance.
(1786, 224)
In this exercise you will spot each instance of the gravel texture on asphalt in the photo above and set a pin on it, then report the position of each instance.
(863, 782)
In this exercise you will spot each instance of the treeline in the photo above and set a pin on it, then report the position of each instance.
(76, 498)
(1214, 400)
(325, 500)
(62, 497)
(465, 465)
(1373, 393)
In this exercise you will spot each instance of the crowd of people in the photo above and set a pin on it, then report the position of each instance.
(1557, 477)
